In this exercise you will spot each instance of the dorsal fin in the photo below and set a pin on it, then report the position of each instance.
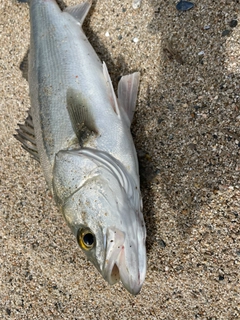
(80, 11)
(25, 134)
(127, 93)
(24, 65)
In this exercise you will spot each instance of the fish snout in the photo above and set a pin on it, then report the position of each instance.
(124, 261)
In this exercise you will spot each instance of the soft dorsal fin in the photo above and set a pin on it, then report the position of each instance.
(80, 11)
(127, 93)
(25, 134)
(79, 113)
(111, 92)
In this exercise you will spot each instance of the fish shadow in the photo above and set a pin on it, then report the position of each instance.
(196, 137)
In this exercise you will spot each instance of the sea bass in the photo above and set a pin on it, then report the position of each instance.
(80, 132)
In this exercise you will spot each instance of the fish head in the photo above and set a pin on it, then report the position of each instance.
(106, 220)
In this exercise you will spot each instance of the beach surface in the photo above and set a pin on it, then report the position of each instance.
(187, 134)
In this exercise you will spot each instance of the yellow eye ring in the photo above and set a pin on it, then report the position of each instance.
(86, 239)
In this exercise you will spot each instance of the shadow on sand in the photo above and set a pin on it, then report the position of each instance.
(195, 145)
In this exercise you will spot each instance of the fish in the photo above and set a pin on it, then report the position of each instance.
(79, 131)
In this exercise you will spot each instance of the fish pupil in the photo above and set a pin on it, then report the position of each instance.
(88, 239)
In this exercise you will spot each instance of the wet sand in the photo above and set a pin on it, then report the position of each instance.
(186, 131)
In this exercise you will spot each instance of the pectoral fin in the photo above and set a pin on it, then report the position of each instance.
(79, 113)
(80, 11)
(127, 93)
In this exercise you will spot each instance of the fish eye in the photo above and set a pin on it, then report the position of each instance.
(86, 239)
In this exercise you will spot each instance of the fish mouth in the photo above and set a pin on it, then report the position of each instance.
(122, 265)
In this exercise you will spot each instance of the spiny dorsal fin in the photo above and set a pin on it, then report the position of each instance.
(25, 134)
(111, 92)
(127, 93)
(80, 11)
(79, 113)
(24, 65)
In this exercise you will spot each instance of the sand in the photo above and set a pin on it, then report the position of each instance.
(186, 131)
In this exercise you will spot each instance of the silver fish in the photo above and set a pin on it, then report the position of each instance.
(80, 132)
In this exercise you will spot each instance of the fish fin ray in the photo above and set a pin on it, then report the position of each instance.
(25, 134)
(111, 92)
(79, 113)
(127, 93)
(80, 11)
(24, 65)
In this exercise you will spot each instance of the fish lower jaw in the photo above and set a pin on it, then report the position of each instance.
(111, 273)
(121, 264)
(114, 276)
(119, 272)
